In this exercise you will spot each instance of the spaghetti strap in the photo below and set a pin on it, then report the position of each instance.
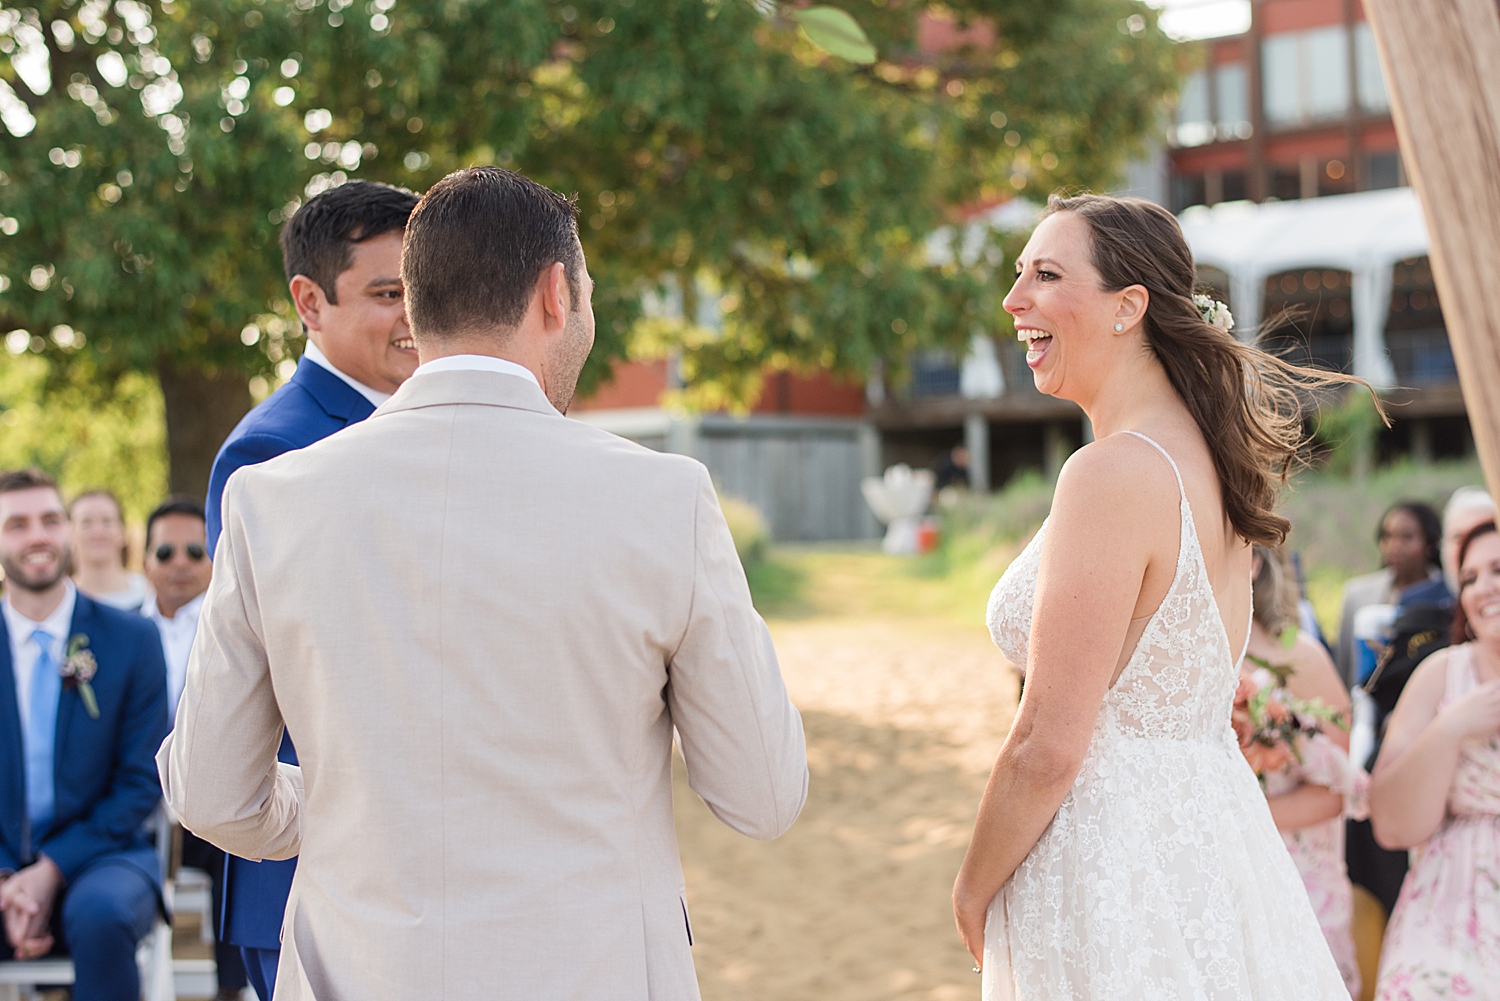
(1181, 490)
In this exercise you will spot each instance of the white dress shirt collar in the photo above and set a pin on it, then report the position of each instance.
(23, 651)
(315, 355)
(477, 363)
(177, 635)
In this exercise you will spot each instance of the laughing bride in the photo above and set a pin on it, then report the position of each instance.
(1123, 848)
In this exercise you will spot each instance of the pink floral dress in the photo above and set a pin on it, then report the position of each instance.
(1318, 850)
(1444, 937)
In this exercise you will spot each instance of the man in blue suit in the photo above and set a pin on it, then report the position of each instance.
(83, 708)
(342, 252)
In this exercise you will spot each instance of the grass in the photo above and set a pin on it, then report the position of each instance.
(1333, 528)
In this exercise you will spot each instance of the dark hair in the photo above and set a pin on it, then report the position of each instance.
(1460, 619)
(176, 504)
(1427, 520)
(317, 241)
(29, 478)
(108, 495)
(1245, 401)
(475, 245)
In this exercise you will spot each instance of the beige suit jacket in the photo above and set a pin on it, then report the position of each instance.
(480, 622)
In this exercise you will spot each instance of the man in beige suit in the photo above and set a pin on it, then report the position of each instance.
(481, 623)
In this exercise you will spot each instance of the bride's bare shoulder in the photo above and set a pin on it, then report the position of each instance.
(1113, 481)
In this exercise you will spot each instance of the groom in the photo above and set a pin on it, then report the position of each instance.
(484, 657)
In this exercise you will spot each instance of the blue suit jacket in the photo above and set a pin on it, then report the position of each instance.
(311, 406)
(104, 773)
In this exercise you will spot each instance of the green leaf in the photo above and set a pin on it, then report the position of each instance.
(90, 704)
(836, 33)
(1289, 637)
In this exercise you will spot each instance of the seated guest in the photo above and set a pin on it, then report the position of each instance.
(1307, 795)
(1437, 786)
(100, 550)
(83, 702)
(179, 569)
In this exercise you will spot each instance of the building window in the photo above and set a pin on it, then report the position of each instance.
(934, 373)
(1383, 170)
(1372, 95)
(1188, 190)
(1310, 318)
(1194, 125)
(1306, 75)
(1232, 93)
(1236, 187)
(1415, 333)
(1285, 183)
(1335, 177)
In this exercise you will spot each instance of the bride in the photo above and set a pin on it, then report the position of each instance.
(1123, 848)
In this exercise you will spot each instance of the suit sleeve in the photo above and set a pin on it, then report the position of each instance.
(218, 766)
(740, 734)
(134, 790)
(247, 450)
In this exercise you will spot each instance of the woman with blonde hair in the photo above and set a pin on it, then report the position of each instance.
(100, 550)
(1123, 848)
(1310, 795)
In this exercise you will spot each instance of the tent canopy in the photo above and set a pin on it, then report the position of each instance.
(1365, 233)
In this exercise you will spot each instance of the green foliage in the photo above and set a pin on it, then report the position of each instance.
(86, 430)
(752, 536)
(1346, 434)
(704, 140)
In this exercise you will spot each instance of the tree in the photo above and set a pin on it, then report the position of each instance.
(154, 150)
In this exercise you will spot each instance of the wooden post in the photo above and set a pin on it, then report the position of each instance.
(1442, 65)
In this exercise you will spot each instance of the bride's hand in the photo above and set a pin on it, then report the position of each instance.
(970, 916)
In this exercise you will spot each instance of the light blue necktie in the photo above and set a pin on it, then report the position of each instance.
(41, 737)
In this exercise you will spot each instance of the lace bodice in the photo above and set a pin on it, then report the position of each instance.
(1162, 874)
(1181, 678)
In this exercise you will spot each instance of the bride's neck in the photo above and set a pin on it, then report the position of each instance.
(1129, 397)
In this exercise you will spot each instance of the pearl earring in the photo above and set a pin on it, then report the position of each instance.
(1119, 326)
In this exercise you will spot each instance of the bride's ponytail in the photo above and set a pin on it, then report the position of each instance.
(1248, 403)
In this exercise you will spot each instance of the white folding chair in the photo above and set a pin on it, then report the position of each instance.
(153, 956)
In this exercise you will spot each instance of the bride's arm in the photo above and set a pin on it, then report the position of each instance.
(1107, 519)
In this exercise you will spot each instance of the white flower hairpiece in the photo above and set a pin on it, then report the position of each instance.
(1214, 313)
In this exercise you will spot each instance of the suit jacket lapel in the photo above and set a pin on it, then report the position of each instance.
(69, 702)
(336, 397)
(12, 751)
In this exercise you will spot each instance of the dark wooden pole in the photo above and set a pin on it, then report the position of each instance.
(1442, 65)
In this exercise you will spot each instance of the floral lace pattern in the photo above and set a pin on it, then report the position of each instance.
(1162, 875)
(1444, 937)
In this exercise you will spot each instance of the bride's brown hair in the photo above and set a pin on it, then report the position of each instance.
(1247, 403)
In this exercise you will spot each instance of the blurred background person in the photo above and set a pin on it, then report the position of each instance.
(101, 550)
(1408, 537)
(179, 568)
(953, 469)
(1468, 508)
(1308, 798)
(1437, 787)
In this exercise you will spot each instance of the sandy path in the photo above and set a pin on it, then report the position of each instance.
(903, 719)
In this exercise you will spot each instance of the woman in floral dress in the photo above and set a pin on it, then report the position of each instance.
(1309, 798)
(1436, 789)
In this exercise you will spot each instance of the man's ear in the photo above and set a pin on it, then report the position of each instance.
(308, 299)
(552, 287)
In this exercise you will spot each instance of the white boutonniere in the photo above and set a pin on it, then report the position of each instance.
(1214, 313)
(78, 669)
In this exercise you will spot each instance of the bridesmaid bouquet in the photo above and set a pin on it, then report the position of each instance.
(1272, 724)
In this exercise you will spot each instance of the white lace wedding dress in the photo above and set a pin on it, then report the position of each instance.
(1162, 877)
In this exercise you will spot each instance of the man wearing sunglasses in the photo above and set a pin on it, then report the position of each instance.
(178, 569)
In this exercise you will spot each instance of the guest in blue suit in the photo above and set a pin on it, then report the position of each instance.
(342, 252)
(83, 708)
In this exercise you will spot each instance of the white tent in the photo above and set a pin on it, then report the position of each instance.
(1365, 234)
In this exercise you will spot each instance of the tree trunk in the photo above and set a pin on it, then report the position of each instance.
(202, 408)
(1442, 64)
